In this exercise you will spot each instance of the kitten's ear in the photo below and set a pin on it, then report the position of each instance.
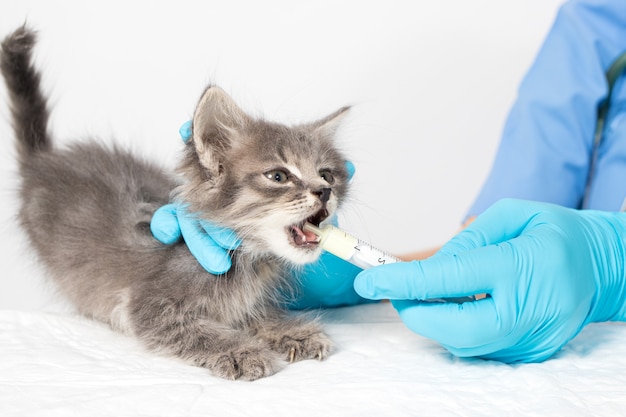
(329, 124)
(217, 122)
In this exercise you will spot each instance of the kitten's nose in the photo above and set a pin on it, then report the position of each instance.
(323, 194)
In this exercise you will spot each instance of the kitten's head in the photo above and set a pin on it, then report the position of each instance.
(262, 179)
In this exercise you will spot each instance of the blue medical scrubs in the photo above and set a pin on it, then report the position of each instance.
(547, 142)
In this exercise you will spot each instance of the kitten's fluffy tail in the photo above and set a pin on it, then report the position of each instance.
(28, 104)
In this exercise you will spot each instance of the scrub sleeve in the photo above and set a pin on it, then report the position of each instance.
(547, 141)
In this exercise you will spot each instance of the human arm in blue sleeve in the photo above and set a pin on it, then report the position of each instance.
(545, 147)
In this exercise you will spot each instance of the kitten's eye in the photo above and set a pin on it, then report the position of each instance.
(327, 176)
(277, 175)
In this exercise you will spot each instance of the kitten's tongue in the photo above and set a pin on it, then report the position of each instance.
(302, 237)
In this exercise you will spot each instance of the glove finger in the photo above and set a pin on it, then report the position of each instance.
(185, 131)
(208, 253)
(503, 221)
(351, 169)
(164, 225)
(442, 276)
(222, 236)
(468, 329)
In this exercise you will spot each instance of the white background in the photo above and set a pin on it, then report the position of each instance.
(431, 83)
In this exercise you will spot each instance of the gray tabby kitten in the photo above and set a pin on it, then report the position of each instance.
(86, 210)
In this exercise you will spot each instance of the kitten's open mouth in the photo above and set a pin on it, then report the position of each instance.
(302, 238)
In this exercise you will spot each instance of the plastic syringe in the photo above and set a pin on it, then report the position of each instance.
(349, 248)
(360, 253)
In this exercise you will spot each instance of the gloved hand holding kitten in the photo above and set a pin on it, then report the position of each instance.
(328, 282)
(548, 271)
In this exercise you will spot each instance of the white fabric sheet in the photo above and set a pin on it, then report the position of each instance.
(412, 94)
(65, 365)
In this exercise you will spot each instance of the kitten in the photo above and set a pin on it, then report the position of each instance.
(86, 210)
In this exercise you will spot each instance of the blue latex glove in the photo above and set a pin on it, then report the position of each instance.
(208, 243)
(325, 283)
(549, 270)
(329, 282)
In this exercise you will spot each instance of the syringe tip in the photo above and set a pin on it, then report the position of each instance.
(308, 227)
(311, 232)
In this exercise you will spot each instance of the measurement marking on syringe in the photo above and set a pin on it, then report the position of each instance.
(360, 253)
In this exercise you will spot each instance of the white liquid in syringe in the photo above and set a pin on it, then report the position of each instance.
(350, 248)
(362, 254)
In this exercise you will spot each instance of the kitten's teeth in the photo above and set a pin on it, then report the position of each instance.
(299, 237)
(303, 238)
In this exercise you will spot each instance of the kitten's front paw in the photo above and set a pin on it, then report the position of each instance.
(247, 363)
(315, 347)
(303, 343)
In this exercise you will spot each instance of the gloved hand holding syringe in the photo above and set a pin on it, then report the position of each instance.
(359, 252)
